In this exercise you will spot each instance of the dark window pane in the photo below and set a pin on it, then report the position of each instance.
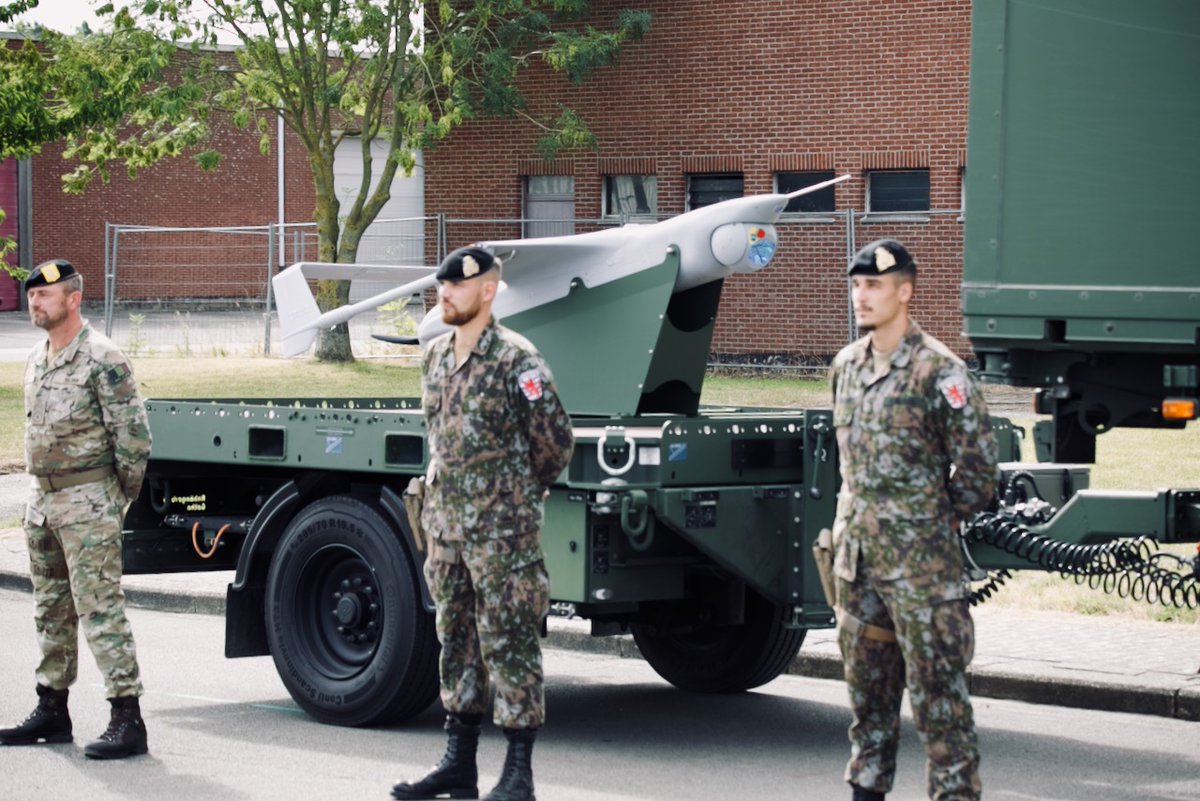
(906, 190)
(821, 200)
(630, 194)
(704, 190)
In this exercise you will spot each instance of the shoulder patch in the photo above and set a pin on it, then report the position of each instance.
(954, 390)
(117, 374)
(530, 383)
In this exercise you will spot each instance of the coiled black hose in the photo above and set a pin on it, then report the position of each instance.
(1125, 568)
(995, 580)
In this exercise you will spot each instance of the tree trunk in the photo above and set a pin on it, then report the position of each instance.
(333, 344)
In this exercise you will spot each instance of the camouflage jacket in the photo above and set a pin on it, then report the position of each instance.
(498, 437)
(917, 456)
(83, 410)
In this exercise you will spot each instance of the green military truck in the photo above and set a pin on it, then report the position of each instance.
(692, 527)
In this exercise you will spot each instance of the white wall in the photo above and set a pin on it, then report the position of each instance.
(398, 234)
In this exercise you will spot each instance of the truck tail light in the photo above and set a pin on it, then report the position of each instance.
(1179, 409)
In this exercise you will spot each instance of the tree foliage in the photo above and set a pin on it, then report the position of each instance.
(116, 97)
(9, 11)
(401, 72)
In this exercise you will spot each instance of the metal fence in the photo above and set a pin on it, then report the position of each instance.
(206, 291)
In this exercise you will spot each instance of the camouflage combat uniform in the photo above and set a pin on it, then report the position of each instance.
(897, 557)
(498, 437)
(83, 413)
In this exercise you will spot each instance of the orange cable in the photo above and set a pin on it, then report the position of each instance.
(216, 540)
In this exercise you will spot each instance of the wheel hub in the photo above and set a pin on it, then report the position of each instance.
(356, 610)
(348, 610)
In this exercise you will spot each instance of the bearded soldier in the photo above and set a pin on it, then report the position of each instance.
(86, 446)
(498, 438)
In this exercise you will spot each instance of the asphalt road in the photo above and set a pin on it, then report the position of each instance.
(226, 729)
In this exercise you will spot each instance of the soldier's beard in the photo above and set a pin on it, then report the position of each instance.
(453, 316)
(47, 321)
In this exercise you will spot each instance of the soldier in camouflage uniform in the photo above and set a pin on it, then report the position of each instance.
(86, 445)
(917, 458)
(498, 438)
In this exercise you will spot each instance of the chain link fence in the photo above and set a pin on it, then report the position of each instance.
(206, 291)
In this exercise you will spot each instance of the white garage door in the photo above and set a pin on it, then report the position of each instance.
(398, 234)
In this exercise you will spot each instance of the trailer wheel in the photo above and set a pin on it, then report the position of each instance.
(347, 630)
(722, 659)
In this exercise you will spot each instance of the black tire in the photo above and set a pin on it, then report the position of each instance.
(347, 630)
(723, 659)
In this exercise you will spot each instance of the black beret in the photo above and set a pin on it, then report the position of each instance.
(880, 257)
(50, 272)
(465, 263)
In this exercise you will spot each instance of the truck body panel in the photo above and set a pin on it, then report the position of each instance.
(1080, 201)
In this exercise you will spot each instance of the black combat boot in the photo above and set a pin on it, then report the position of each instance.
(863, 794)
(47, 723)
(516, 781)
(126, 732)
(456, 776)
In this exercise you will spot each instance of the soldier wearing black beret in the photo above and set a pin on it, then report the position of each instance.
(881, 257)
(466, 263)
(87, 442)
(50, 272)
(498, 437)
(917, 458)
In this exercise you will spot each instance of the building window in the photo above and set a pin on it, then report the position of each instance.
(709, 188)
(898, 190)
(630, 195)
(821, 200)
(962, 196)
(549, 206)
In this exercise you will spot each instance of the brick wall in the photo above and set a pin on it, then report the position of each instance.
(852, 84)
(176, 192)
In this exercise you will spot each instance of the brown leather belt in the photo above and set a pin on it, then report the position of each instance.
(855, 626)
(65, 480)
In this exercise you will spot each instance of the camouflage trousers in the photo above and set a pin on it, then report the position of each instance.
(74, 541)
(935, 640)
(491, 598)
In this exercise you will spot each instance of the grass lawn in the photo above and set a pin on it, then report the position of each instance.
(1127, 459)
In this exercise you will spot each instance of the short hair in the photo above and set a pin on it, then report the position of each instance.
(73, 283)
(498, 269)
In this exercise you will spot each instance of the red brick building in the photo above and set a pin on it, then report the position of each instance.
(174, 193)
(764, 91)
(718, 98)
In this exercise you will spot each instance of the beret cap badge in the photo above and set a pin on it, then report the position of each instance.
(884, 259)
(470, 267)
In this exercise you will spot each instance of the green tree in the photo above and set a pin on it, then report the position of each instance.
(10, 10)
(402, 72)
(117, 97)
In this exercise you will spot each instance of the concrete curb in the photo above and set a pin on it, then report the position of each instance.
(984, 682)
(820, 662)
(157, 600)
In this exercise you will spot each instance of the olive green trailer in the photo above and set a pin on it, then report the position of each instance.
(691, 527)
